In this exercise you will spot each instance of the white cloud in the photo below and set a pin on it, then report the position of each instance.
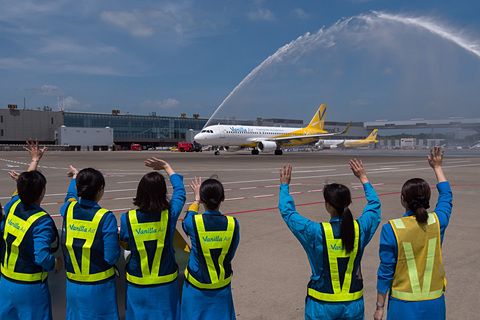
(69, 46)
(300, 14)
(142, 23)
(18, 64)
(69, 102)
(160, 104)
(261, 14)
(48, 90)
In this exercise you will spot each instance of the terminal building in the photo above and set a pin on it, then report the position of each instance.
(101, 131)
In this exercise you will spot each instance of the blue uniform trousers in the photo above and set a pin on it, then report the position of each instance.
(159, 302)
(24, 301)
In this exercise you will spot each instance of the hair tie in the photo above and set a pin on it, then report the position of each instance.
(340, 210)
(418, 202)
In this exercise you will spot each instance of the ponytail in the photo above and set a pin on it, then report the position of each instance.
(347, 230)
(416, 193)
(419, 206)
(339, 197)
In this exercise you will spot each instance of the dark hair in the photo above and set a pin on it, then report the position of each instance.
(30, 185)
(339, 197)
(416, 193)
(89, 181)
(211, 193)
(152, 193)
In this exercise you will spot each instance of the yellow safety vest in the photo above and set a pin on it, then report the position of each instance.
(419, 274)
(210, 240)
(335, 251)
(150, 231)
(18, 228)
(83, 230)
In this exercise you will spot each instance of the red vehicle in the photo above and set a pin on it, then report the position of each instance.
(184, 147)
(135, 147)
(189, 147)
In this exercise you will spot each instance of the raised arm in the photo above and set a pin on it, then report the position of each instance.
(435, 161)
(286, 174)
(159, 164)
(72, 173)
(195, 185)
(302, 228)
(194, 207)
(358, 170)
(35, 152)
(370, 218)
(72, 188)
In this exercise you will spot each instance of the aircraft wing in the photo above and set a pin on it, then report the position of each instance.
(309, 136)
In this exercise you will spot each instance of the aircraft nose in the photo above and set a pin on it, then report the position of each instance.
(199, 136)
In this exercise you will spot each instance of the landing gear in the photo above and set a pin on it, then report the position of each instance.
(216, 152)
(278, 152)
(255, 151)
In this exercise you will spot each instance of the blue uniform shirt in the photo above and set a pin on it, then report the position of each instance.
(309, 232)
(43, 235)
(189, 230)
(177, 201)
(109, 228)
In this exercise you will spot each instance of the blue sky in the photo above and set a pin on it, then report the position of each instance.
(370, 60)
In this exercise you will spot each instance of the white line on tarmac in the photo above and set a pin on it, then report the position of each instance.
(265, 196)
(233, 199)
(371, 171)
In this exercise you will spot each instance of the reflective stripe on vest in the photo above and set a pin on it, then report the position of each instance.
(209, 240)
(150, 231)
(18, 228)
(84, 230)
(336, 251)
(419, 274)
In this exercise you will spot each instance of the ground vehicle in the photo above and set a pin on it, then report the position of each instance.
(189, 147)
(135, 147)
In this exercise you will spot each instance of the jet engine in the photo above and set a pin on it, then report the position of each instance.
(267, 146)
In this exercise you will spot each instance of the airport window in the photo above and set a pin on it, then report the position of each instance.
(1, 117)
(1, 132)
(52, 120)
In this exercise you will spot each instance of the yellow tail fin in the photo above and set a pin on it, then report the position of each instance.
(319, 118)
(373, 135)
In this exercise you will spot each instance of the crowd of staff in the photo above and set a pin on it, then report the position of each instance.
(411, 268)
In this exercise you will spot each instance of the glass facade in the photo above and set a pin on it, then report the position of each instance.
(134, 126)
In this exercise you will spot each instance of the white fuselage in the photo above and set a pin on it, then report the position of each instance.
(347, 143)
(245, 136)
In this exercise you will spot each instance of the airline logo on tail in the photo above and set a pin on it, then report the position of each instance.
(318, 119)
(372, 135)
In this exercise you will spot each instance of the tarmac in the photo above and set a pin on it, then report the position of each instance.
(271, 270)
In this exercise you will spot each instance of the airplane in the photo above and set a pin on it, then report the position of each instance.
(332, 144)
(265, 139)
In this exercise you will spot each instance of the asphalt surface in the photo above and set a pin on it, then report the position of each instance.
(271, 270)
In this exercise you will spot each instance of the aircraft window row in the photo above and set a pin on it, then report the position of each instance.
(257, 132)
